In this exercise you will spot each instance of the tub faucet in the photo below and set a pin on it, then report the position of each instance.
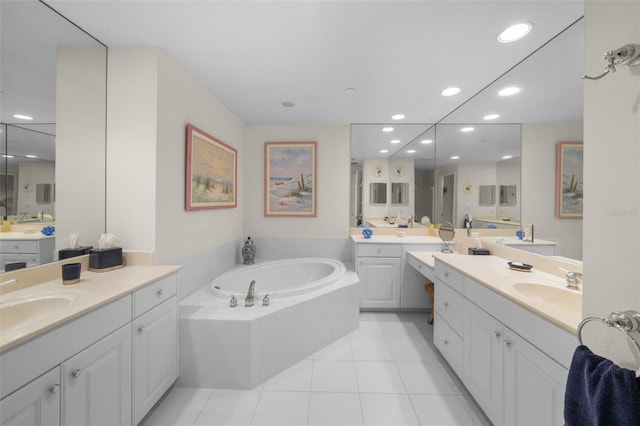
(248, 302)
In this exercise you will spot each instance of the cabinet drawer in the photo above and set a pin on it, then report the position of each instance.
(153, 294)
(379, 250)
(448, 343)
(449, 276)
(423, 269)
(14, 246)
(449, 304)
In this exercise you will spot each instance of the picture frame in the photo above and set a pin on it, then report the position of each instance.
(290, 179)
(569, 180)
(211, 172)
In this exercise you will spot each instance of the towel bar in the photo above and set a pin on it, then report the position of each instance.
(624, 321)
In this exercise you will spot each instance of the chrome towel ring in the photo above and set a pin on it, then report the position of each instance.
(624, 321)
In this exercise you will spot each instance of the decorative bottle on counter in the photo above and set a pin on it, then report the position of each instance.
(249, 252)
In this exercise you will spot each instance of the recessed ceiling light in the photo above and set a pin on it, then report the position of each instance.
(287, 104)
(411, 151)
(491, 116)
(515, 32)
(427, 141)
(22, 117)
(455, 157)
(30, 156)
(7, 156)
(450, 91)
(387, 129)
(395, 141)
(467, 129)
(350, 90)
(384, 151)
(397, 117)
(507, 157)
(508, 91)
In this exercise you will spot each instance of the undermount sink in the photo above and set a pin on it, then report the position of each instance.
(547, 293)
(18, 312)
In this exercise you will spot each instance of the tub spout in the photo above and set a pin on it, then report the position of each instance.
(250, 295)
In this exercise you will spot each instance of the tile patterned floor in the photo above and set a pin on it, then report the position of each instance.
(385, 373)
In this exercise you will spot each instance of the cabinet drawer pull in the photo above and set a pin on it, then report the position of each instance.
(497, 333)
(160, 292)
(446, 304)
(55, 388)
(141, 329)
(76, 373)
(507, 342)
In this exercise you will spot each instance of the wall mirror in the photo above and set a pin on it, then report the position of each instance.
(549, 95)
(400, 193)
(378, 193)
(32, 35)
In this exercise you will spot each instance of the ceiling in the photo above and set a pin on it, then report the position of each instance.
(396, 55)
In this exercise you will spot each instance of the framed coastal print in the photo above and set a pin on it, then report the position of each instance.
(290, 179)
(569, 180)
(212, 172)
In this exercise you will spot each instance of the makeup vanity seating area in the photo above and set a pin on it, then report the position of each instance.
(102, 351)
(509, 335)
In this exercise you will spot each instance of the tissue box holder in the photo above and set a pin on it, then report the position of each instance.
(102, 260)
(73, 252)
(478, 251)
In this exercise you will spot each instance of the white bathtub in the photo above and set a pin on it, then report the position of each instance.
(314, 301)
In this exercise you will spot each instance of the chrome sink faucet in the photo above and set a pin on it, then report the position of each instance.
(248, 302)
(574, 280)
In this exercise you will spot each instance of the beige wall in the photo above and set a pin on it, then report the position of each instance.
(151, 100)
(80, 144)
(612, 175)
(333, 168)
(538, 185)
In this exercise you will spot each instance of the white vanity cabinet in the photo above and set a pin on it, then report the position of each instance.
(106, 367)
(155, 346)
(449, 315)
(96, 383)
(35, 250)
(36, 404)
(514, 363)
(378, 267)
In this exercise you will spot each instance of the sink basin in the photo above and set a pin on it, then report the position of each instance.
(18, 312)
(546, 293)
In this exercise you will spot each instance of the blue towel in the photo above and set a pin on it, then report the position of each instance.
(600, 393)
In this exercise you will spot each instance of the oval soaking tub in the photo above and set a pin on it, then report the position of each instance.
(313, 302)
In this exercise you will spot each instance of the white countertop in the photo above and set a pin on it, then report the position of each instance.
(12, 236)
(95, 289)
(395, 239)
(493, 271)
(515, 241)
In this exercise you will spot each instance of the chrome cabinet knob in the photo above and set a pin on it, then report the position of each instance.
(507, 342)
(55, 388)
(141, 329)
(76, 373)
(497, 333)
(445, 341)
(160, 292)
(446, 274)
(446, 304)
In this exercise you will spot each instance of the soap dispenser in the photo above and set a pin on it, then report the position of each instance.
(249, 252)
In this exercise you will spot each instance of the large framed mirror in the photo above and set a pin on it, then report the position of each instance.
(53, 83)
(512, 145)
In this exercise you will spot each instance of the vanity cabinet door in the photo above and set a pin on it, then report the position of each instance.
(96, 383)
(155, 365)
(35, 404)
(380, 282)
(483, 360)
(534, 384)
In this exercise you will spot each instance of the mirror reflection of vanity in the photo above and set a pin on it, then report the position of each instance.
(54, 73)
(509, 159)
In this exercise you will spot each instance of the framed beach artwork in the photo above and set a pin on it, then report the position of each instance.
(569, 180)
(212, 172)
(290, 179)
